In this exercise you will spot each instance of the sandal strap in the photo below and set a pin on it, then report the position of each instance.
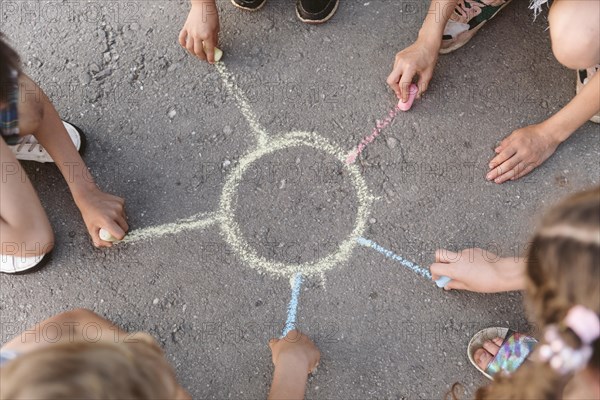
(514, 350)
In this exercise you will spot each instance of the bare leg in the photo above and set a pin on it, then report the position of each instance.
(24, 227)
(575, 32)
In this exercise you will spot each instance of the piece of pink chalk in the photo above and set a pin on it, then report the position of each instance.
(412, 94)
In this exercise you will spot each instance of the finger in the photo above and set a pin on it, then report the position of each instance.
(190, 46)
(97, 242)
(504, 162)
(183, 38)
(446, 256)
(525, 171)
(501, 146)
(491, 347)
(393, 80)
(209, 50)
(405, 81)
(455, 285)
(511, 168)
(114, 229)
(199, 49)
(423, 83)
(502, 156)
(122, 223)
(293, 336)
(441, 269)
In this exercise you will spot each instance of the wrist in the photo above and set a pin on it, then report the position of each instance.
(81, 188)
(430, 40)
(511, 274)
(555, 130)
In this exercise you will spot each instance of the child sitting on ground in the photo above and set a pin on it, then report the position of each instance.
(561, 278)
(79, 355)
(31, 129)
(575, 34)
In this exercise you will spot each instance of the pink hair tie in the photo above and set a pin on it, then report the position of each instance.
(584, 322)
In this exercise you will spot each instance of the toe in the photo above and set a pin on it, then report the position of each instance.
(482, 358)
(491, 347)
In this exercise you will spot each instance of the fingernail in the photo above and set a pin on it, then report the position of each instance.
(489, 177)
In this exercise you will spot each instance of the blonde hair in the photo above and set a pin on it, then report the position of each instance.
(94, 371)
(563, 270)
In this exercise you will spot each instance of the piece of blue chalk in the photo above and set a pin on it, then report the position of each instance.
(443, 281)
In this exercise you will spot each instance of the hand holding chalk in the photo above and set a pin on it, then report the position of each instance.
(295, 350)
(412, 94)
(106, 236)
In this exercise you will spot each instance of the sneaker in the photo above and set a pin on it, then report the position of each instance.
(29, 149)
(468, 17)
(316, 11)
(249, 5)
(583, 77)
(15, 265)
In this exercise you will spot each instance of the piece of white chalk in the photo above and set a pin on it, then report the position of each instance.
(218, 54)
(412, 94)
(443, 281)
(106, 236)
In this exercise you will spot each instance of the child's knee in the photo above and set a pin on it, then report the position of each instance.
(31, 242)
(575, 34)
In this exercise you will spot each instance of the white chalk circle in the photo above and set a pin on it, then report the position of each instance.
(234, 237)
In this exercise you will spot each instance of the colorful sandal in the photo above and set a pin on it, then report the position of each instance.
(514, 350)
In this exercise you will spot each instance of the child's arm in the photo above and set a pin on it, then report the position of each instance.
(527, 148)
(294, 357)
(420, 57)
(200, 34)
(480, 271)
(98, 209)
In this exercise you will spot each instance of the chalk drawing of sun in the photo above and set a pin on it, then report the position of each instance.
(224, 217)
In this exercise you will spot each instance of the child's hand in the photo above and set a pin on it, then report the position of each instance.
(200, 34)
(102, 210)
(417, 59)
(479, 270)
(297, 349)
(521, 152)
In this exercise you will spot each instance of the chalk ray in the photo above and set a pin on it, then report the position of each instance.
(229, 81)
(198, 221)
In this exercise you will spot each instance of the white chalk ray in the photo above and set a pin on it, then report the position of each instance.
(229, 81)
(195, 222)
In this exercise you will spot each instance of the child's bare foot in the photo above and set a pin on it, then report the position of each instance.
(521, 152)
(486, 354)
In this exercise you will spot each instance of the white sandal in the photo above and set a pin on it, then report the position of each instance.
(513, 352)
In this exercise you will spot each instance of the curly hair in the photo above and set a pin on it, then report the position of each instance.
(563, 270)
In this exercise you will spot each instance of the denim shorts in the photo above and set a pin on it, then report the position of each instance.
(9, 115)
